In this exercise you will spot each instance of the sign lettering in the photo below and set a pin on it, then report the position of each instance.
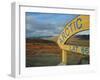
(76, 49)
(80, 23)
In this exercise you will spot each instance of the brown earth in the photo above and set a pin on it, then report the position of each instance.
(42, 52)
(40, 46)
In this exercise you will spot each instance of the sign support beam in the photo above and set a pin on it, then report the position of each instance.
(64, 57)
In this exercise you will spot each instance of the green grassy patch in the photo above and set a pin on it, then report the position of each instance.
(42, 60)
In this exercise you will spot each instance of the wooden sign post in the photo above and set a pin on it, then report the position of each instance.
(64, 56)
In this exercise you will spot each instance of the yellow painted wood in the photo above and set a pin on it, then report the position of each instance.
(73, 48)
(64, 57)
(76, 49)
(80, 23)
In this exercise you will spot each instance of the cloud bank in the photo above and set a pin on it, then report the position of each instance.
(46, 24)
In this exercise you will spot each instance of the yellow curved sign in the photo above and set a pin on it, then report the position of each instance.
(80, 23)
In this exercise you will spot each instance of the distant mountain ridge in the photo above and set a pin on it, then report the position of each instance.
(50, 38)
(39, 37)
(84, 37)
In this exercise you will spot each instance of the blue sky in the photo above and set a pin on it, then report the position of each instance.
(46, 24)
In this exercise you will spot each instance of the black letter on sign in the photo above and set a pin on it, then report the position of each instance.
(77, 23)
